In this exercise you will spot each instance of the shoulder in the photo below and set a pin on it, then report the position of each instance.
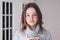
(47, 34)
(18, 35)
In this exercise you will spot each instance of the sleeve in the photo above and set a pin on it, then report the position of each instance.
(49, 37)
(16, 37)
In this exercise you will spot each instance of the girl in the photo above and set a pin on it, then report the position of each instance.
(31, 28)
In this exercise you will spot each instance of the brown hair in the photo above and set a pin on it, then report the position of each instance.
(23, 17)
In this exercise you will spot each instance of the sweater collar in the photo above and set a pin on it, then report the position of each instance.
(32, 33)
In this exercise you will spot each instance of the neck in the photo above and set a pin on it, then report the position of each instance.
(32, 27)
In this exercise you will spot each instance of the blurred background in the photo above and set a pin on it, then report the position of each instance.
(10, 17)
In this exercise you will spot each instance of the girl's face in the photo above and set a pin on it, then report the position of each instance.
(31, 16)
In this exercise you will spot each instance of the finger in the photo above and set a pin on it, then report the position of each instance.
(26, 35)
(32, 38)
(37, 38)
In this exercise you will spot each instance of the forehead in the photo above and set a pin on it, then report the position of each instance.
(31, 10)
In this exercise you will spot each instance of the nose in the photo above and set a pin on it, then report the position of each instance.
(31, 18)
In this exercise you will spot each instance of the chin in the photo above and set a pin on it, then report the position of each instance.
(32, 24)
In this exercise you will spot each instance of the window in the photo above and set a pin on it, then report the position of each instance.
(6, 20)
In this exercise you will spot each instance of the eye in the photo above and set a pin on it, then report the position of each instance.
(27, 15)
(35, 14)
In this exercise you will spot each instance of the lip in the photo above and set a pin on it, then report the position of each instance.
(31, 21)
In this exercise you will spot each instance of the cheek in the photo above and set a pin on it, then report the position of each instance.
(36, 19)
(27, 19)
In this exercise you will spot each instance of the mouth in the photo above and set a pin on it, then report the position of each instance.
(31, 21)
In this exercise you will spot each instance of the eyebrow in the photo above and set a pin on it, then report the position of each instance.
(33, 13)
(27, 13)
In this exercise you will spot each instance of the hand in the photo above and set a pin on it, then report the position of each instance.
(37, 38)
(31, 38)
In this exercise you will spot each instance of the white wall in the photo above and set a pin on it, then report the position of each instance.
(51, 16)
(0, 21)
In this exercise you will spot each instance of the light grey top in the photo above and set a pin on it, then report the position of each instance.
(22, 35)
